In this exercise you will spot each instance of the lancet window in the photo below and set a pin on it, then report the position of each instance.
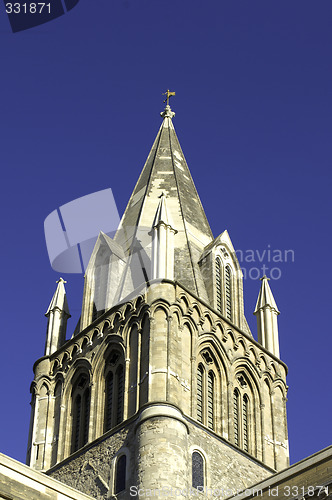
(228, 289)
(114, 390)
(197, 470)
(80, 412)
(120, 474)
(242, 397)
(224, 295)
(205, 383)
(218, 286)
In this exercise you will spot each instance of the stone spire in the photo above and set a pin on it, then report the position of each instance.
(266, 312)
(166, 171)
(57, 314)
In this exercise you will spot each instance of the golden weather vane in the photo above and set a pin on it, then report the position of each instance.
(168, 94)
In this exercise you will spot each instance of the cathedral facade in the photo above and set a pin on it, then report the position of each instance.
(162, 388)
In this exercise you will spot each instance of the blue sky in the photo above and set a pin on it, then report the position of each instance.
(79, 110)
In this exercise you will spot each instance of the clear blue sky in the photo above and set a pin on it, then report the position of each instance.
(79, 110)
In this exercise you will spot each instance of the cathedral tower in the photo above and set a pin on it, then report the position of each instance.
(163, 386)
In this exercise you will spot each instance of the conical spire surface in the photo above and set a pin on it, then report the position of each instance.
(59, 299)
(265, 297)
(166, 172)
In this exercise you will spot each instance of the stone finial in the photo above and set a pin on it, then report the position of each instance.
(167, 113)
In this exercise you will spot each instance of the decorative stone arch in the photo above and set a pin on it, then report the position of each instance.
(75, 350)
(196, 309)
(210, 356)
(139, 302)
(86, 342)
(79, 372)
(44, 380)
(116, 321)
(274, 370)
(233, 339)
(208, 324)
(219, 329)
(184, 303)
(95, 335)
(241, 342)
(159, 304)
(60, 377)
(102, 366)
(263, 363)
(56, 365)
(127, 310)
(133, 321)
(253, 356)
(106, 327)
(176, 312)
(279, 383)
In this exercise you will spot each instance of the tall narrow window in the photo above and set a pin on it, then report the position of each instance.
(120, 384)
(56, 415)
(228, 287)
(197, 470)
(200, 393)
(120, 474)
(245, 422)
(218, 285)
(236, 416)
(114, 390)
(210, 409)
(86, 416)
(80, 413)
(109, 401)
(77, 422)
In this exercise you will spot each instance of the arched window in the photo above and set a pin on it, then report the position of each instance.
(210, 402)
(114, 390)
(245, 404)
(56, 416)
(109, 401)
(197, 470)
(120, 474)
(120, 394)
(207, 384)
(228, 289)
(80, 413)
(236, 416)
(218, 286)
(200, 393)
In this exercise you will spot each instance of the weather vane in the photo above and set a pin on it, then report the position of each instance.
(168, 94)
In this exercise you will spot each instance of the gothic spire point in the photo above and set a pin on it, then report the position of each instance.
(61, 280)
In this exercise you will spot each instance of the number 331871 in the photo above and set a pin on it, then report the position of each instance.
(32, 8)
